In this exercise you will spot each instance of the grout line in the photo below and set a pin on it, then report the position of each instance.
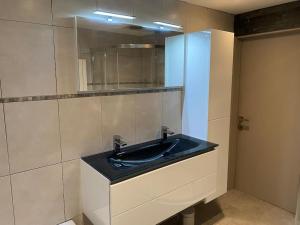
(52, 16)
(36, 168)
(40, 167)
(35, 23)
(2, 176)
(59, 130)
(12, 200)
(6, 138)
(61, 156)
(27, 22)
(8, 161)
(63, 187)
(0, 88)
(54, 58)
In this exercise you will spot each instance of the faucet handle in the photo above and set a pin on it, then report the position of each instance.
(167, 130)
(164, 128)
(171, 132)
(119, 140)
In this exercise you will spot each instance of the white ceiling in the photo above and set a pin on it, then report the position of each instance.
(237, 6)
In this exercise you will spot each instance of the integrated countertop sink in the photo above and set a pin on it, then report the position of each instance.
(142, 158)
(151, 151)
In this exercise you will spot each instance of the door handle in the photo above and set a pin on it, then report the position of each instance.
(243, 123)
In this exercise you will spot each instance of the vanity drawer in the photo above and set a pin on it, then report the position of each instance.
(147, 187)
(168, 205)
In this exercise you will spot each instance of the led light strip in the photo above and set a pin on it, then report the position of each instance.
(168, 25)
(114, 15)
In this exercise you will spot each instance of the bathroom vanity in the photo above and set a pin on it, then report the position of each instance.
(149, 182)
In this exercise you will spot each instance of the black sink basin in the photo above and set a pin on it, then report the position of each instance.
(151, 151)
(145, 157)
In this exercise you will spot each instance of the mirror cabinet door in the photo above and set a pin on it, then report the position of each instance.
(120, 45)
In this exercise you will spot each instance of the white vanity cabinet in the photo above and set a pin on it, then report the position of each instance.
(149, 198)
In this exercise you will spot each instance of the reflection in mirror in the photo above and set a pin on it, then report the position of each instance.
(114, 55)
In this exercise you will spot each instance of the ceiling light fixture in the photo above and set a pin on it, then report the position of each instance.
(114, 15)
(168, 25)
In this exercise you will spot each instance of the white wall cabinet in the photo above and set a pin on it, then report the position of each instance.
(207, 97)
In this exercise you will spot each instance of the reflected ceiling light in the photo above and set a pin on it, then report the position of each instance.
(114, 15)
(109, 19)
(168, 25)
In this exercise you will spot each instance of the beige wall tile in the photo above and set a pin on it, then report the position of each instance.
(64, 11)
(26, 59)
(118, 119)
(71, 178)
(35, 11)
(199, 18)
(38, 196)
(80, 127)
(117, 6)
(65, 58)
(148, 110)
(167, 10)
(6, 207)
(33, 134)
(172, 110)
(4, 167)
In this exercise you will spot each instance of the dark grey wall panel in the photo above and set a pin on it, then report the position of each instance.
(276, 18)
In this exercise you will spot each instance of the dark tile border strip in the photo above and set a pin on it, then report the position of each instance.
(90, 94)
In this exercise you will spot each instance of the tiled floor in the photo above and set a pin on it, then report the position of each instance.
(237, 208)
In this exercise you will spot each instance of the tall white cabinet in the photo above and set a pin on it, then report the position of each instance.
(207, 95)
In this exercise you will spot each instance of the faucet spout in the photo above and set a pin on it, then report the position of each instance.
(165, 131)
(118, 143)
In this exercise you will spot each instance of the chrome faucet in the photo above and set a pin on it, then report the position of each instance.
(165, 131)
(118, 143)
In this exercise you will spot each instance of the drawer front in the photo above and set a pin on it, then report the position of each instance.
(168, 205)
(136, 191)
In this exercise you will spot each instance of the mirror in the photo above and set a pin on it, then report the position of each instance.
(115, 55)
